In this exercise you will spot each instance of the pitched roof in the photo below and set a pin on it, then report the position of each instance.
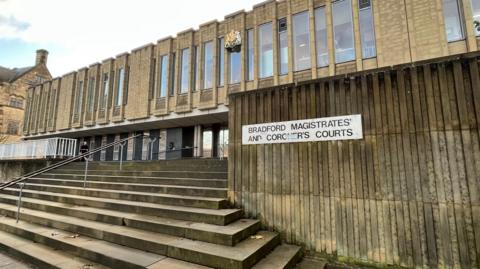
(10, 75)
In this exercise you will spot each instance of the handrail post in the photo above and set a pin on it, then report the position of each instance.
(121, 154)
(19, 202)
(86, 172)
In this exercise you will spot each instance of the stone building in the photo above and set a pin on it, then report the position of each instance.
(406, 194)
(14, 84)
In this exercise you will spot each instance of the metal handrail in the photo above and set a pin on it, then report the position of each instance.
(64, 162)
(21, 180)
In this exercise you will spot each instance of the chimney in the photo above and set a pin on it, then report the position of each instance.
(42, 56)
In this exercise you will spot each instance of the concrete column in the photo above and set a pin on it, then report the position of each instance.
(197, 142)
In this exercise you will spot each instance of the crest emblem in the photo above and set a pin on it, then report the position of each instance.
(233, 41)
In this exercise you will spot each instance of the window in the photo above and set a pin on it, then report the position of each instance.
(301, 41)
(476, 15)
(163, 76)
(185, 72)
(173, 83)
(367, 32)
(12, 127)
(120, 81)
(16, 102)
(221, 61)
(265, 44)
(78, 100)
(453, 24)
(208, 68)
(196, 60)
(343, 31)
(283, 46)
(105, 88)
(250, 55)
(321, 37)
(235, 67)
(91, 94)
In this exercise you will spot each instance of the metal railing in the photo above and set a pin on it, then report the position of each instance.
(39, 149)
(21, 180)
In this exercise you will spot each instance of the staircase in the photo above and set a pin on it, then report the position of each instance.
(159, 214)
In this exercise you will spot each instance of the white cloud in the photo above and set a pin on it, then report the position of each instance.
(89, 31)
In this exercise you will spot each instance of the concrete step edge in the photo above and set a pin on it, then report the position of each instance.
(212, 216)
(283, 256)
(157, 198)
(135, 184)
(40, 255)
(243, 255)
(227, 235)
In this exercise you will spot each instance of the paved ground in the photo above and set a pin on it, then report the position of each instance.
(7, 262)
(308, 263)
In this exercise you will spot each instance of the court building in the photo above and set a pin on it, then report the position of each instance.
(350, 126)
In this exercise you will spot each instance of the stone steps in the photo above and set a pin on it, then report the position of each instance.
(89, 250)
(226, 235)
(211, 216)
(178, 165)
(243, 255)
(137, 187)
(194, 182)
(284, 256)
(145, 173)
(175, 214)
(40, 255)
(166, 199)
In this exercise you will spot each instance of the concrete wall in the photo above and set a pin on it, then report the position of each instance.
(12, 169)
(407, 194)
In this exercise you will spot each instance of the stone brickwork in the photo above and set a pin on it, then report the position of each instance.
(405, 31)
(13, 98)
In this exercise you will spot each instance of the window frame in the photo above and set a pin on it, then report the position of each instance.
(352, 32)
(184, 67)
(260, 53)
(297, 68)
(208, 45)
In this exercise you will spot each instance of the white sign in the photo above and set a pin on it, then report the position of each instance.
(320, 129)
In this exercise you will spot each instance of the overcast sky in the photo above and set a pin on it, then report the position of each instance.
(80, 33)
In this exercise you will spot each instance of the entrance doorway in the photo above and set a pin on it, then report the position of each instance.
(215, 141)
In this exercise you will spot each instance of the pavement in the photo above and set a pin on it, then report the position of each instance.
(7, 262)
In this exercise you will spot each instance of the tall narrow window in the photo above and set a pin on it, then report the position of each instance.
(321, 37)
(250, 55)
(453, 23)
(105, 88)
(163, 85)
(91, 94)
(221, 61)
(283, 46)
(476, 15)
(208, 68)
(343, 31)
(185, 72)
(235, 67)
(301, 41)
(265, 47)
(173, 83)
(78, 101)
(196, 59)
(120, 83)
(367, 32)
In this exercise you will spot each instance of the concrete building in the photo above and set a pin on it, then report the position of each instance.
(406, 193)
(177, 89)
(14, 84)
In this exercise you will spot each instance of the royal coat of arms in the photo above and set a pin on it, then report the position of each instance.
(233, 41)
